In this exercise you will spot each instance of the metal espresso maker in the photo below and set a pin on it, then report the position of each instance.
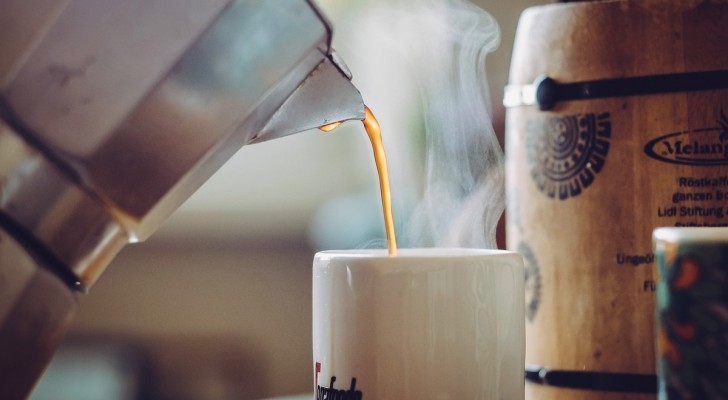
(112, 113)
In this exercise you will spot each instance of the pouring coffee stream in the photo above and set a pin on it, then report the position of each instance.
(375, 136)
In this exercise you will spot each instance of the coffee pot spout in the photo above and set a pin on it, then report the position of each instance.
(324, 97)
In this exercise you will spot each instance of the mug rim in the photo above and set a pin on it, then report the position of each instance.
(413, 253)
(691, 234)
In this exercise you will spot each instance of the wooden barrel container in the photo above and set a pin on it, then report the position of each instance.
(617, 123)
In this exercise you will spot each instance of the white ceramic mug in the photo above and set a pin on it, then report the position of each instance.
(430, 324)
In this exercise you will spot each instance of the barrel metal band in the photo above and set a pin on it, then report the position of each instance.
(591, 380)
(546, 92)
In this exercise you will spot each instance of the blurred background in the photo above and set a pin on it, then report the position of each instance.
(216, 305)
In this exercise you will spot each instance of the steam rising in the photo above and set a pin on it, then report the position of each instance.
(463, 197)
(447, 180)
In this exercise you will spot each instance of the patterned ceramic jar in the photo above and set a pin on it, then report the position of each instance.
(692, 313)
